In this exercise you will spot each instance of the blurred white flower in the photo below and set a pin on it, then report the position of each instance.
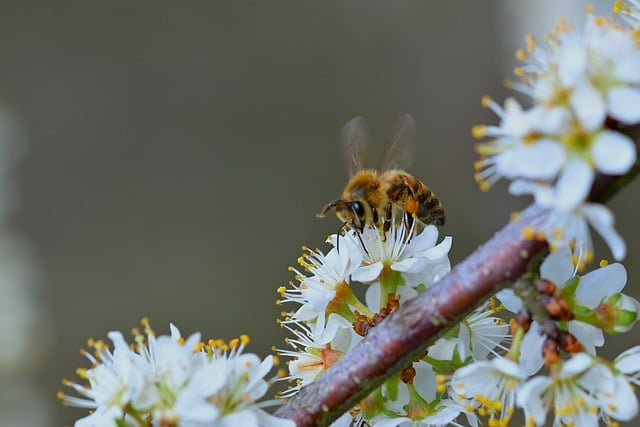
(555, 149)
(567, 219)
(172, 381)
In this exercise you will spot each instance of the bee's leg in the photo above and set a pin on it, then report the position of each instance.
(409, 221)
(388, 216)
(374, 213)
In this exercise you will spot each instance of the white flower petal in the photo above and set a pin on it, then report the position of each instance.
(622, 404)
(367, 273)
(623, 103)
(589, 336)
(573, 185)
(558, 267)
(410, 265)
(572, 64)
(554, 120)
(531, 359)
(541, 160)
(601, 283)
(601, 218)
(588, 105)
(613, 153)
(440, 250)
(510, 300)
(530, 399)
(577, 364)
(628, 362)
(520, 187)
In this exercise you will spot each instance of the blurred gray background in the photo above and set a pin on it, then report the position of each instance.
(177, 152)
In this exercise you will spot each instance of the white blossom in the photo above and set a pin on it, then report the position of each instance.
(172, 381)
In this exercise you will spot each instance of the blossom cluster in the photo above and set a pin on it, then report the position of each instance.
(172, 381)
(487, 367)
(391, 267)
(585, 89)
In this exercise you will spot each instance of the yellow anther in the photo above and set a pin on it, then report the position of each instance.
(486, 101)
(528, 232)
(530, 42)
(479, 131)
(244, 339)
(604, 263)
(521, 54)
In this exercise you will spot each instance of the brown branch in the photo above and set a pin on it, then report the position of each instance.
(394, 343)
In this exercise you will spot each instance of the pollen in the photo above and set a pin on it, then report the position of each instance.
(530, 42)
(528, 232)
(619, 7)
(604, 263)
(479, 131)
(600, 21)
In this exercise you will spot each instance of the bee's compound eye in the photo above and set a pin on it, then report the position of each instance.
(357, 208)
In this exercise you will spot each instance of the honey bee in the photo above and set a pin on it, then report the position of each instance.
(374, 197)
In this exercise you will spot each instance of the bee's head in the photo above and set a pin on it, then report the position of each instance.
(350, 212)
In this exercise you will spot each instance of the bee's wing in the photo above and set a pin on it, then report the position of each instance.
(399, 146)
(354, 137)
